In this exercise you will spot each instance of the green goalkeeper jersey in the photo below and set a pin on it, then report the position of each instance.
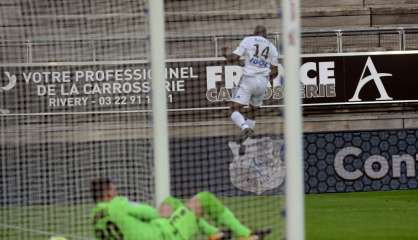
(120, 219)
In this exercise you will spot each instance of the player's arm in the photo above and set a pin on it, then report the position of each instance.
(274, 71)
(235, 57)
(143, 212)
(274, 66)
(231, 59)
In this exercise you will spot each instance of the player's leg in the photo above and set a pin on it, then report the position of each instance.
(256, 100)
(169, 209)
(240, 99)
(181, 222)
(206, 202)
(251, 115)
(239, 119)
(250, 121)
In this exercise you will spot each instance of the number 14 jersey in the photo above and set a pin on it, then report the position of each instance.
(259, 54)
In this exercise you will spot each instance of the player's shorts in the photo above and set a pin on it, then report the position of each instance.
(182, 225)
(251, 90)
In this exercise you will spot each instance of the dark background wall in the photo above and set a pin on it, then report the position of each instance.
(61, 172)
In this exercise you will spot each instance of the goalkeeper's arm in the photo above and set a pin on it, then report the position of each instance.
(142, 212)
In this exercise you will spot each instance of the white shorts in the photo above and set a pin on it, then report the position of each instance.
(250, 91)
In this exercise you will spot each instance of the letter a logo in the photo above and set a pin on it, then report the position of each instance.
(375, 76)
(12, 82)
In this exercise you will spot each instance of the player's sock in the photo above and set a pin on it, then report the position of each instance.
(239, 120)
(250, 123)
(222, 214)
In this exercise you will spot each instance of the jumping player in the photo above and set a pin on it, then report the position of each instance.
(114, 217)
(261, 65)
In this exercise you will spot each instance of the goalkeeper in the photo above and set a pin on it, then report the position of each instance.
(114, 217)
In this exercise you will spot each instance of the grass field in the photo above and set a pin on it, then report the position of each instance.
(343, 216)
(372, 215)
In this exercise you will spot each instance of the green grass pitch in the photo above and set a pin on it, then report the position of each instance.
(370, 216)
(339, 216)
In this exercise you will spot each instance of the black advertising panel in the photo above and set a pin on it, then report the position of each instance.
(360, 79)
(322, 80)
(381, 78)
(200, 84)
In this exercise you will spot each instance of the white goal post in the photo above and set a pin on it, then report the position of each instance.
(293, 121)
(159, 106)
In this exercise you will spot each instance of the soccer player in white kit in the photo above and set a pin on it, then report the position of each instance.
(261, 65)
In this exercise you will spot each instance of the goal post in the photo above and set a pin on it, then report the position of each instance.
(293, 120)
(159, 103)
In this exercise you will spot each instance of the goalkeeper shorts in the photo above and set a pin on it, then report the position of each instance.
(182, 224)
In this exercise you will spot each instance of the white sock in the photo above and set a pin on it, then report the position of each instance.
(239, 120)
(250, 123)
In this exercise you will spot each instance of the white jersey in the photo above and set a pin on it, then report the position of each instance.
(259, 54)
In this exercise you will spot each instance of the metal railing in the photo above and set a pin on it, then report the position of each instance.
(136, 47)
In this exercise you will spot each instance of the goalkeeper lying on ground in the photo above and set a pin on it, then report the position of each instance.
(115, 218)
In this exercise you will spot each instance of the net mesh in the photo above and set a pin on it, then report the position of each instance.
(75, 104)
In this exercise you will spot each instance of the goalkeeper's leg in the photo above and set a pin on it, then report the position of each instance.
(206, 202)
(171, 204)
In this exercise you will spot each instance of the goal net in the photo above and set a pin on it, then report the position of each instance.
(75, 105)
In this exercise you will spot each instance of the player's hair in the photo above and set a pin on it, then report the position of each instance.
(260, 30)
(98, 187)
